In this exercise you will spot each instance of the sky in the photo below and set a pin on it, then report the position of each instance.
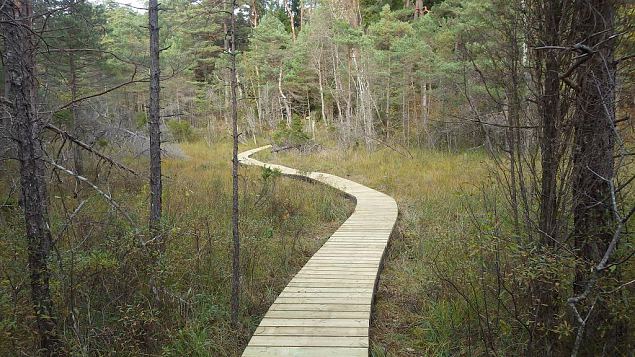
(140, 4)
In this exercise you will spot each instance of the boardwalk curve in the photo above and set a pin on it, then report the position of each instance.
(325, 309)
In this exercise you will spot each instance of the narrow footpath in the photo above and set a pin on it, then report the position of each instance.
(325, 309)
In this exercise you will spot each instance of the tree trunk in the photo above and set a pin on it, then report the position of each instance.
(285, 101)
(387, 111)
(593, 164)
(290, 13)
(154, 121)
(235, 294)
(349, 96)
(226, 89)
(338, 85)
(425, 113)
(546, 295)
(365, 106)
(259, 98)
(254, 14)
(404, 110)
(26, 127)
(321, 86)
(513, 113)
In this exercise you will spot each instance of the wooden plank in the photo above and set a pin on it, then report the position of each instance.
(315, 322)
(347, 276)
(319, 282)
(309, 341)
(303, 314)
(260, 351)
(335, 263)
(351, 255)
(319, 307)
(318, 268)
(296, 289)
(335, 267)
(332, 285)
(315, 331)
(333, 273)
(344, 259)
(344, 251)
(325, 300)
(323, 294)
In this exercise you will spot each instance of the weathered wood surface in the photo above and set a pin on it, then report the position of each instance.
(325, 309)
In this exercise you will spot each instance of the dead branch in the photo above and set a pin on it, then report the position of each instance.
(121, 85)
(88, 148)
(108, 198)
(69, 220)
(92, 50)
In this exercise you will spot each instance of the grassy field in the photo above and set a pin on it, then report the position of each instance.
(416, 313)
(453, 283)
(283, 222)
(102, 281)
(458, 278)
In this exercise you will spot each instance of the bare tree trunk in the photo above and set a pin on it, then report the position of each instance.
(404, 110)
(289, 10)
(387, 111)
(302, 17)
(320, 82)
(593, 164)
(366, 104)
(235, 294)
(546, 296)
(254, 14)
(349, 94)
(510, 131)
(154, 122)
(338, 85)
(425, 112)
(226, 89)
(285, 101)
(26, 127)
(259, 98)
(551, 114)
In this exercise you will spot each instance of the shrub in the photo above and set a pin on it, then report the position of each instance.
(291, 137)
(62, 117)
(182, 131)
(140, 119)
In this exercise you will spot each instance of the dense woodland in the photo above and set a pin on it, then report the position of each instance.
(502, 127)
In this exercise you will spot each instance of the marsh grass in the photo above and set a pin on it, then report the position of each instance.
(283, 222)
(115, 298)
(458, 277)
(438, 294)
(416, 312)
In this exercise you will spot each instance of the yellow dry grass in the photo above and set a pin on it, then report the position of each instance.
(414, 316)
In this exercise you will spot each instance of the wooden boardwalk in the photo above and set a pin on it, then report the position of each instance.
(325, 309)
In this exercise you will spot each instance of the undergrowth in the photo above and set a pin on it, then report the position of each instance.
(113, 297)
(416, 313)
(458, 278)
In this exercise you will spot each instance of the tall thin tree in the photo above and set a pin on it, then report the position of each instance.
(26, 127)
(154, 122)
(235, 298)
(550, 107)
(594, 203)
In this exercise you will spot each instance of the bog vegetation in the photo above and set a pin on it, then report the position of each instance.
(503, 128)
